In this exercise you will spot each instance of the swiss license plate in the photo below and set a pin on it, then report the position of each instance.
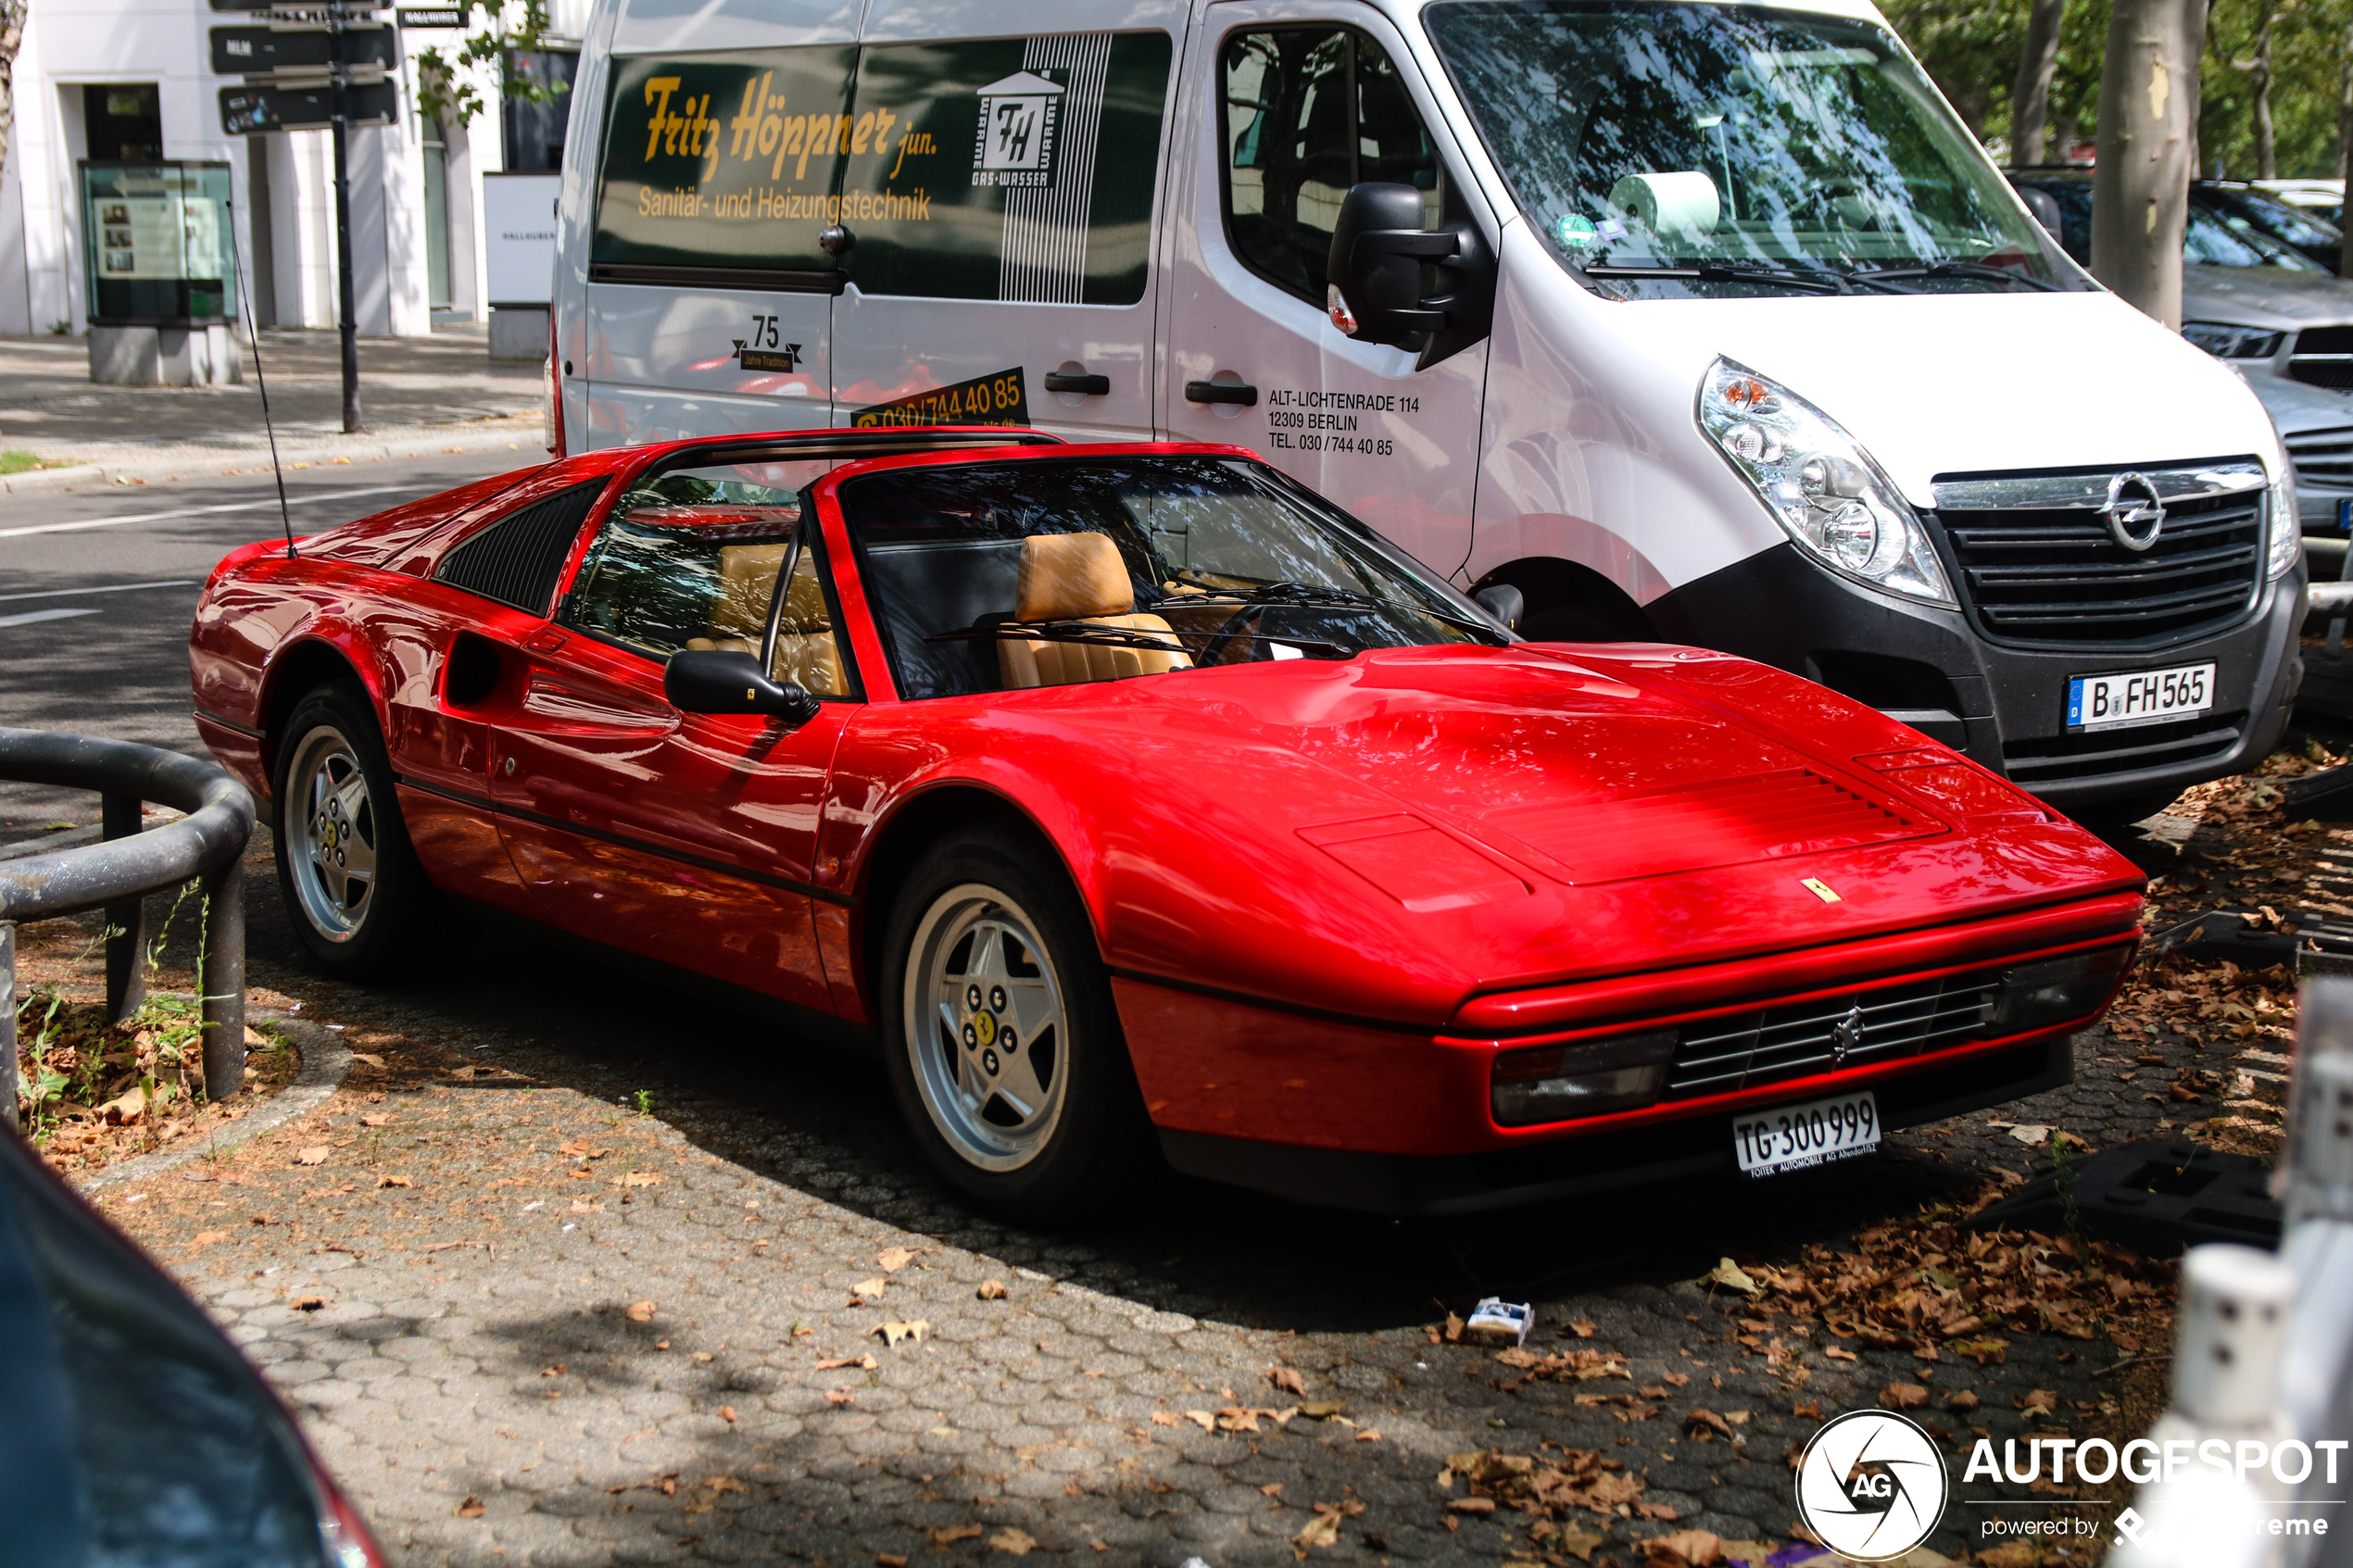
(2139, 696)
(1794, 1137)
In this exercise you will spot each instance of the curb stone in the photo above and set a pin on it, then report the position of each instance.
(196, 466)
(325, 1062)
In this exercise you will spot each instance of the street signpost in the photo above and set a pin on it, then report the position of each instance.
(311, 49)
(314, 67)
(435, 16)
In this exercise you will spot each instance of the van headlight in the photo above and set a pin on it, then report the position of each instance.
(1822, 487)
(2286, 523)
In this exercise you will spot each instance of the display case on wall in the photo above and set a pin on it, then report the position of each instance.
(159, 261)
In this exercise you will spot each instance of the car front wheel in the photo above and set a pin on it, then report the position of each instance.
(1003, 1040)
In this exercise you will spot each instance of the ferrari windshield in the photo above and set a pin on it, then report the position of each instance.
(994, 576)
(1671, 150)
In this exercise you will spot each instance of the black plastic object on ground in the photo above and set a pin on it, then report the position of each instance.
(2156, 1197)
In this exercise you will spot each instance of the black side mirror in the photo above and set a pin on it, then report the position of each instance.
(1503, 602)
(1373, 273)
(712, 681)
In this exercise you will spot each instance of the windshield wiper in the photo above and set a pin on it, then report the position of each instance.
(1961, 270)
(1116, 636)
(1312, 594)
(1805, 281)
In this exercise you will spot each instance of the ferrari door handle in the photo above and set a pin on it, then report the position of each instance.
(1078, 380)
(1221, 392)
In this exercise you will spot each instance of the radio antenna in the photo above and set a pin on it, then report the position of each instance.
(237, 265)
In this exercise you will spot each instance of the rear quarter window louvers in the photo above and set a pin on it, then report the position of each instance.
(517, 559)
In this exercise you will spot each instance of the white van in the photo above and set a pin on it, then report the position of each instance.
(1698, 323)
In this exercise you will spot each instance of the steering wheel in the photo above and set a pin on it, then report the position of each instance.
(1228, 631)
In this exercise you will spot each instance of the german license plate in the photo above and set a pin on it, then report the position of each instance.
(1795, 1137)
(2140, 696)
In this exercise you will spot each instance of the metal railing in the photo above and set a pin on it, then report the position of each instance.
(2263, 1353)
(117, 875)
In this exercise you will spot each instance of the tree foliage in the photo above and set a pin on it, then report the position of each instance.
(1972, 49)
(446, 88)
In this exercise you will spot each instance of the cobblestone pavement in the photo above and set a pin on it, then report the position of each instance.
(527, 1323)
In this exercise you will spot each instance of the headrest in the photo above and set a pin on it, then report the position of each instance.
(747, 578)
(1071, 576)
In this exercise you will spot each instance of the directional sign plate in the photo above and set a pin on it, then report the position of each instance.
(433, 16)
(247, 111)
(255, 51)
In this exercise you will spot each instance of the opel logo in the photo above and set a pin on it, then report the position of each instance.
(2132, 503)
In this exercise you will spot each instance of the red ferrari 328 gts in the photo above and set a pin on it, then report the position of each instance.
(1146, 804)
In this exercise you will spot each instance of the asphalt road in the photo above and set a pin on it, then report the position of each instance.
(97, 587)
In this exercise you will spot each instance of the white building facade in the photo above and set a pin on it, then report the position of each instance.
(114, 79)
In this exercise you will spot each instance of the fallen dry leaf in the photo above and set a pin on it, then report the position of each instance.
(1168, 1418)
(580, 1149)
(641, 1179)
(205, 1238)
(914, 1328)
(894, 1259)
(641, 1311)
(1961, 1399)
(727, 1415)
(1731, 1277)
(1471, 1505)
(1582, 1329)
(868, 1363)
(1205, 1419)
(991, 1290)
(316, 1154)
(395, 1181)
(838, 1397)
(1288, 1381)
(1579, 1542)
(1013, 1539)
(2032, 1138)
(1903, 1395)
(1702, 1422)
(471, 1508)
(871, 1289)
(1322, 1410)
(948, 1534)
(369, 1057)
(377, 1120)
(308, 1303)
(1321, 1531)
(1368, 1435)
(1685, 1549)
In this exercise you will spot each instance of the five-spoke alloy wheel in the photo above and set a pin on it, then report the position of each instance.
(1000, 1034)
(354, 893)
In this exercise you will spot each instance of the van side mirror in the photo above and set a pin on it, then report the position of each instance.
(713, 680)
(1373, 273)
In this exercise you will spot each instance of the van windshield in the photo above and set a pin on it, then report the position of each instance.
(1674, 151)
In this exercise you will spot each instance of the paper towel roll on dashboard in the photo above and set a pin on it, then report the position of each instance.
(1681, 203)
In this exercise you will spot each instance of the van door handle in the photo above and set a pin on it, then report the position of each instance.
(1221, 392)
(1073, 381)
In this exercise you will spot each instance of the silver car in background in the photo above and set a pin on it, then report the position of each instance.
(2246, 298)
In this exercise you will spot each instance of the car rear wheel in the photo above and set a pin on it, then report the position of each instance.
(1003, 1041)
(358, 901)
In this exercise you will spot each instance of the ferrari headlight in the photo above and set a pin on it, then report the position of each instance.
(1819, 484)
(2287, 523)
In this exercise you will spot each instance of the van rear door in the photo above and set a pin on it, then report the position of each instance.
(1287, 105)
(710, 288)
(1000, 194)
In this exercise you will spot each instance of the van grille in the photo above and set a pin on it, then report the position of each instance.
(2043, 759)
(2323, 356)
(2051, 576)
(1792, 1041)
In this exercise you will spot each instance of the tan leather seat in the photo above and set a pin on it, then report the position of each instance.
(806, 652)
(1080, 577)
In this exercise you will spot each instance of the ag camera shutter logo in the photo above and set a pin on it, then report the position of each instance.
(1872, 1486)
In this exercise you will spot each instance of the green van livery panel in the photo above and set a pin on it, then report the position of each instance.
(1003, 169)
(724, 163)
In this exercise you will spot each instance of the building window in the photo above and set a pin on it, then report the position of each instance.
(123, 123)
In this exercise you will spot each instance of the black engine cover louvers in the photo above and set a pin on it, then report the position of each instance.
(517, 559)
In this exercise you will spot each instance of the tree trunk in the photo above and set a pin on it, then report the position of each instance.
(2031, 98)
(2259, 77)
(2148, 123)
(12, 13)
